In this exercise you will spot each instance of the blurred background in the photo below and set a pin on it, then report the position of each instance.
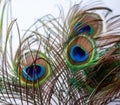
(27, 11)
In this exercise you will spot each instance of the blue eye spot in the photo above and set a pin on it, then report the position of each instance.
(78, 54)
(33, 72)
(85, 29)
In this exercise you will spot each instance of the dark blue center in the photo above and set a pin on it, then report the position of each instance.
(33, 72)
(85, 29)
(78, 54)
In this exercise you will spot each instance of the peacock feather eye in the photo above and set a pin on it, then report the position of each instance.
(34, 70)
(89, 23)
(80, 52)
(84, 29)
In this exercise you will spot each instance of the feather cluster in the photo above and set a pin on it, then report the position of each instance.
(73, 59)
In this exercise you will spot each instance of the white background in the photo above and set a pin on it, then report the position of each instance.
(27, 11)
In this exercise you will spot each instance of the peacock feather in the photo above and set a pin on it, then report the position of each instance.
(73, 59)
(34, 69)
(80, 52)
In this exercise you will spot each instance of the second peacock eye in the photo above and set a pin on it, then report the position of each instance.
(80, 52)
